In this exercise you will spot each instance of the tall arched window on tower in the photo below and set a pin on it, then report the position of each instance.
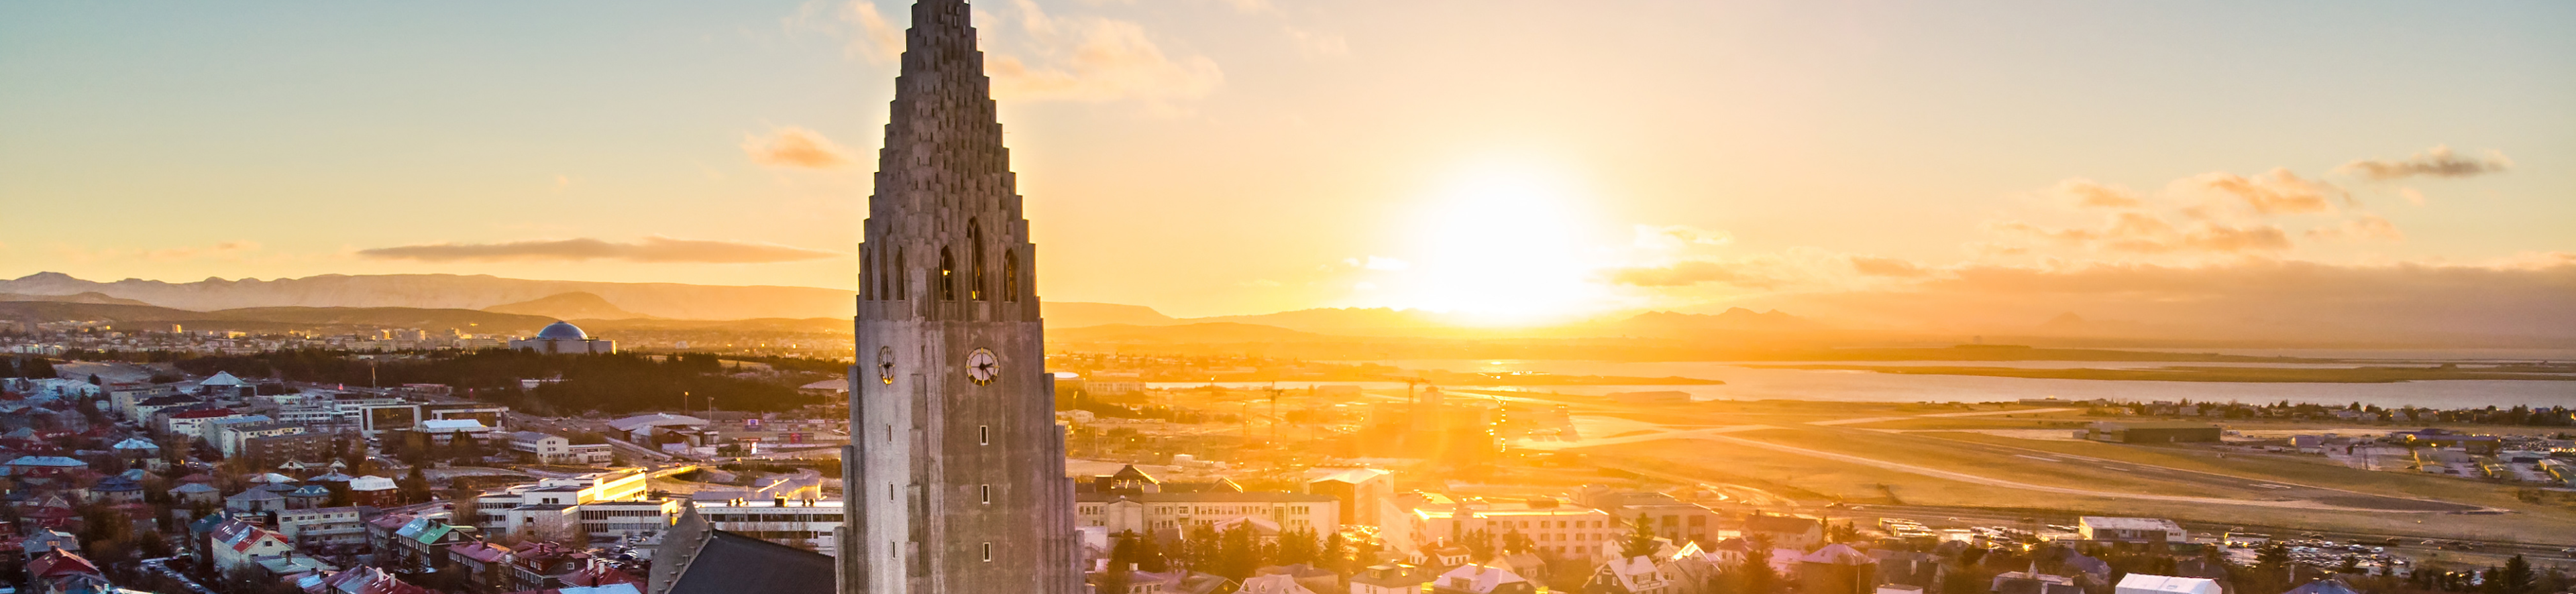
(947, 276)
(975, 261)
(1010, 275)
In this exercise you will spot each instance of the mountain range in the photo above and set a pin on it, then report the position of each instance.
(493, 305)
(450, 291)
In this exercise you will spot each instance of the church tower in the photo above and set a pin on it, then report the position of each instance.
(954, 477)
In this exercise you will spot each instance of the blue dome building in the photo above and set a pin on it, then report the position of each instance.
(562, 337)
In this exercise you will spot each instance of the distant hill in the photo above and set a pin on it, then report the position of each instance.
(87, 297)
(449, 291)
(278, 318)
(1378, 321)
(1077, 314)
(1665, 323)
(568, 306)
(1202, 333)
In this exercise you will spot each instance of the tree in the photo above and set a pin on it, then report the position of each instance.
(1336, 553)
(2517, 577)
(1238, 552)
(1641, 540)
(1479, 543)
(1149, 554)
(1753, 574)
(1297, 546)
(36, 368)
(1199, 549)
(1122, 555)
(1515, 542)
(413, 487)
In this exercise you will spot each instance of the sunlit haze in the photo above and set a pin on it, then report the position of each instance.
(1509, 162)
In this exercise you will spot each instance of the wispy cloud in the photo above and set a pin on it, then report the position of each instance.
(2144, 233)
(2092, 194)
(2273, 192)
(1676, 237)
(2433, 162)
(794, 147)
(650, 250)
(1686, 273)
(1315, 44)
(186, 253)
(2367, 226)
(1894, 267)
(1095, 59)
(868, 34)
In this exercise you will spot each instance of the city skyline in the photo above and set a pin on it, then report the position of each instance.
(1244, 157)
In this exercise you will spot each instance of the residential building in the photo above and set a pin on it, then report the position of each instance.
(275, 449)
(229, 434)
(235, 543)
(328, 526)
(1479, 579)
(1363, 493)
(1392, 579)
(556, 449)
(806, 524)
(1555, 527)
(1788, 532)
(1133, 500)
(2133, 530)
(2140, 583)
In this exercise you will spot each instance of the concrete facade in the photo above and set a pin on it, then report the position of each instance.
(955, 480)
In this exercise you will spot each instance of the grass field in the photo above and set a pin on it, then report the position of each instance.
(2343, 375)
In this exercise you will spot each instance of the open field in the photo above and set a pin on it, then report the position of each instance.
(2347, 375)
(1814, 453)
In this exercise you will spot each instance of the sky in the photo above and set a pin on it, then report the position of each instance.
(1505, 159)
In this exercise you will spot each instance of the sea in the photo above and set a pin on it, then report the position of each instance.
(1746, 382)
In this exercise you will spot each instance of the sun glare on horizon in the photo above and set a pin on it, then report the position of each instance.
(1503, 244)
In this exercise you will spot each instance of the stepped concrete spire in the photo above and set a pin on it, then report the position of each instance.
(954, 478)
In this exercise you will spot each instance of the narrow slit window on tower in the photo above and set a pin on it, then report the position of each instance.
(975, 261)
(988, 551)
(947, 276)
(902, 277)
(984, 434)
(1010, 275)
(986, 491)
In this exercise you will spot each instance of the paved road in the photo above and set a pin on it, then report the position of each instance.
(1941, 415)
(2287, 494)
(2285, 489)
(161, 566)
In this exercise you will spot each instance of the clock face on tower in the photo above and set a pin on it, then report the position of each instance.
(981, 366)
(885, 365)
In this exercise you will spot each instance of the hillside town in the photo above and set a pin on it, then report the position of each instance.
(143, 477)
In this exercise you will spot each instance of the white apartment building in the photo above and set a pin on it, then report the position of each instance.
(322, 526)
(492, 508)
(1147, 512)
(555, 449)
(230, 435)
(1570, 530)
(801, 524)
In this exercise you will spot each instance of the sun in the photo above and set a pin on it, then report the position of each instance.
(1505, 245)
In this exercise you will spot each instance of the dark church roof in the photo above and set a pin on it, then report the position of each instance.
(695, 558)
(731, 563)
